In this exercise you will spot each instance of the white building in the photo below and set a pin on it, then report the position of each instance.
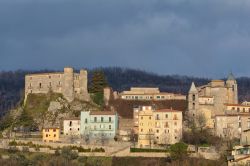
(71, 126)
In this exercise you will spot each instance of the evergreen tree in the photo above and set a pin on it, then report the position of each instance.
(98, 82)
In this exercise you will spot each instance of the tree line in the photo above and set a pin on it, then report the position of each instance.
(12, 83)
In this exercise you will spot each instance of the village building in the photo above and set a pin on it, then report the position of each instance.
(210, 99)
(99, 124)
(240, 155)
(232, 125)
(159, 126)
(51, 134)
(143, 93)
(237, 108)
(71, 126)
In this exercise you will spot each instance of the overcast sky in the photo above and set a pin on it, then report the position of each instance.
(207, 38)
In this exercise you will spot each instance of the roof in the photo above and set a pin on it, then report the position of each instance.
(241, 105)
(73, 118)
(167, 110)
(239, 114)
(231, 76)
(51, 127)
(217, 81)
(102, 113)
(193, 88)
(242, 158)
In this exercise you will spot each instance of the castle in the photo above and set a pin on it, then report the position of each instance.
(71, 85)
(210, 99)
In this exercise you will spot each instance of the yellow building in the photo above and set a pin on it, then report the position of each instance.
(159, 126)
(51, 134)
(168, 126)
(146, 126)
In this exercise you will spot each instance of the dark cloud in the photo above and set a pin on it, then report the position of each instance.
(204, 38)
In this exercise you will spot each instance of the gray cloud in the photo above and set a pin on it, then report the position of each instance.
(204, 38)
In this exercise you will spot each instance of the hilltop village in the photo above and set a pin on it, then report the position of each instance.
(135, 121)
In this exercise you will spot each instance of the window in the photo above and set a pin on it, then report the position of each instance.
(54, 130)
(149, 117)
(30, 85)
(141, 117)
(157, 117)
(233, 108)
(166, 125)
(166, 115)
(70, 123)
(244, 109)
(157, 131)
(40, 85)
(95, 119)
(101, 119)
(175, 123)
(50, 84)
(238, 109)
(141, 130)
(46, 135)
(175, 117)
(78, 129)
(239, 124)
(54, 135)
(193, 97)
(70, 129)
(110, 119)
(193, 105)
(248, 124)
(109, 127)
(86, 120)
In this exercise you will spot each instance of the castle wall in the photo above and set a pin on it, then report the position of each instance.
(71, 85)
(42, 83)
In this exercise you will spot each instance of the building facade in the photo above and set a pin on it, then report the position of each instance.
(71, 85)
(71, 126)
(51, 134)
(210, 99)
(96, 124)
(232, 125)
(159, 126)
(142, 93)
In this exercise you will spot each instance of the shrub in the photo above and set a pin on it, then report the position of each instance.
(178, 151)
(13, 143)
(67, 153)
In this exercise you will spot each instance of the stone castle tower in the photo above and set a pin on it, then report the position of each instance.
(71, 85)
(232, 89)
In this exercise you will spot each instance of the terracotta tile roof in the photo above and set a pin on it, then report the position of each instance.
(239, 114)
(237, 105)
(102, 113)
(167, 110)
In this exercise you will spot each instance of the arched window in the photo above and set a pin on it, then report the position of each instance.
(193, 105)
(193, 97)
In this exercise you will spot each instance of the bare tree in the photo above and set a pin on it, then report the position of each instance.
(201, 121)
